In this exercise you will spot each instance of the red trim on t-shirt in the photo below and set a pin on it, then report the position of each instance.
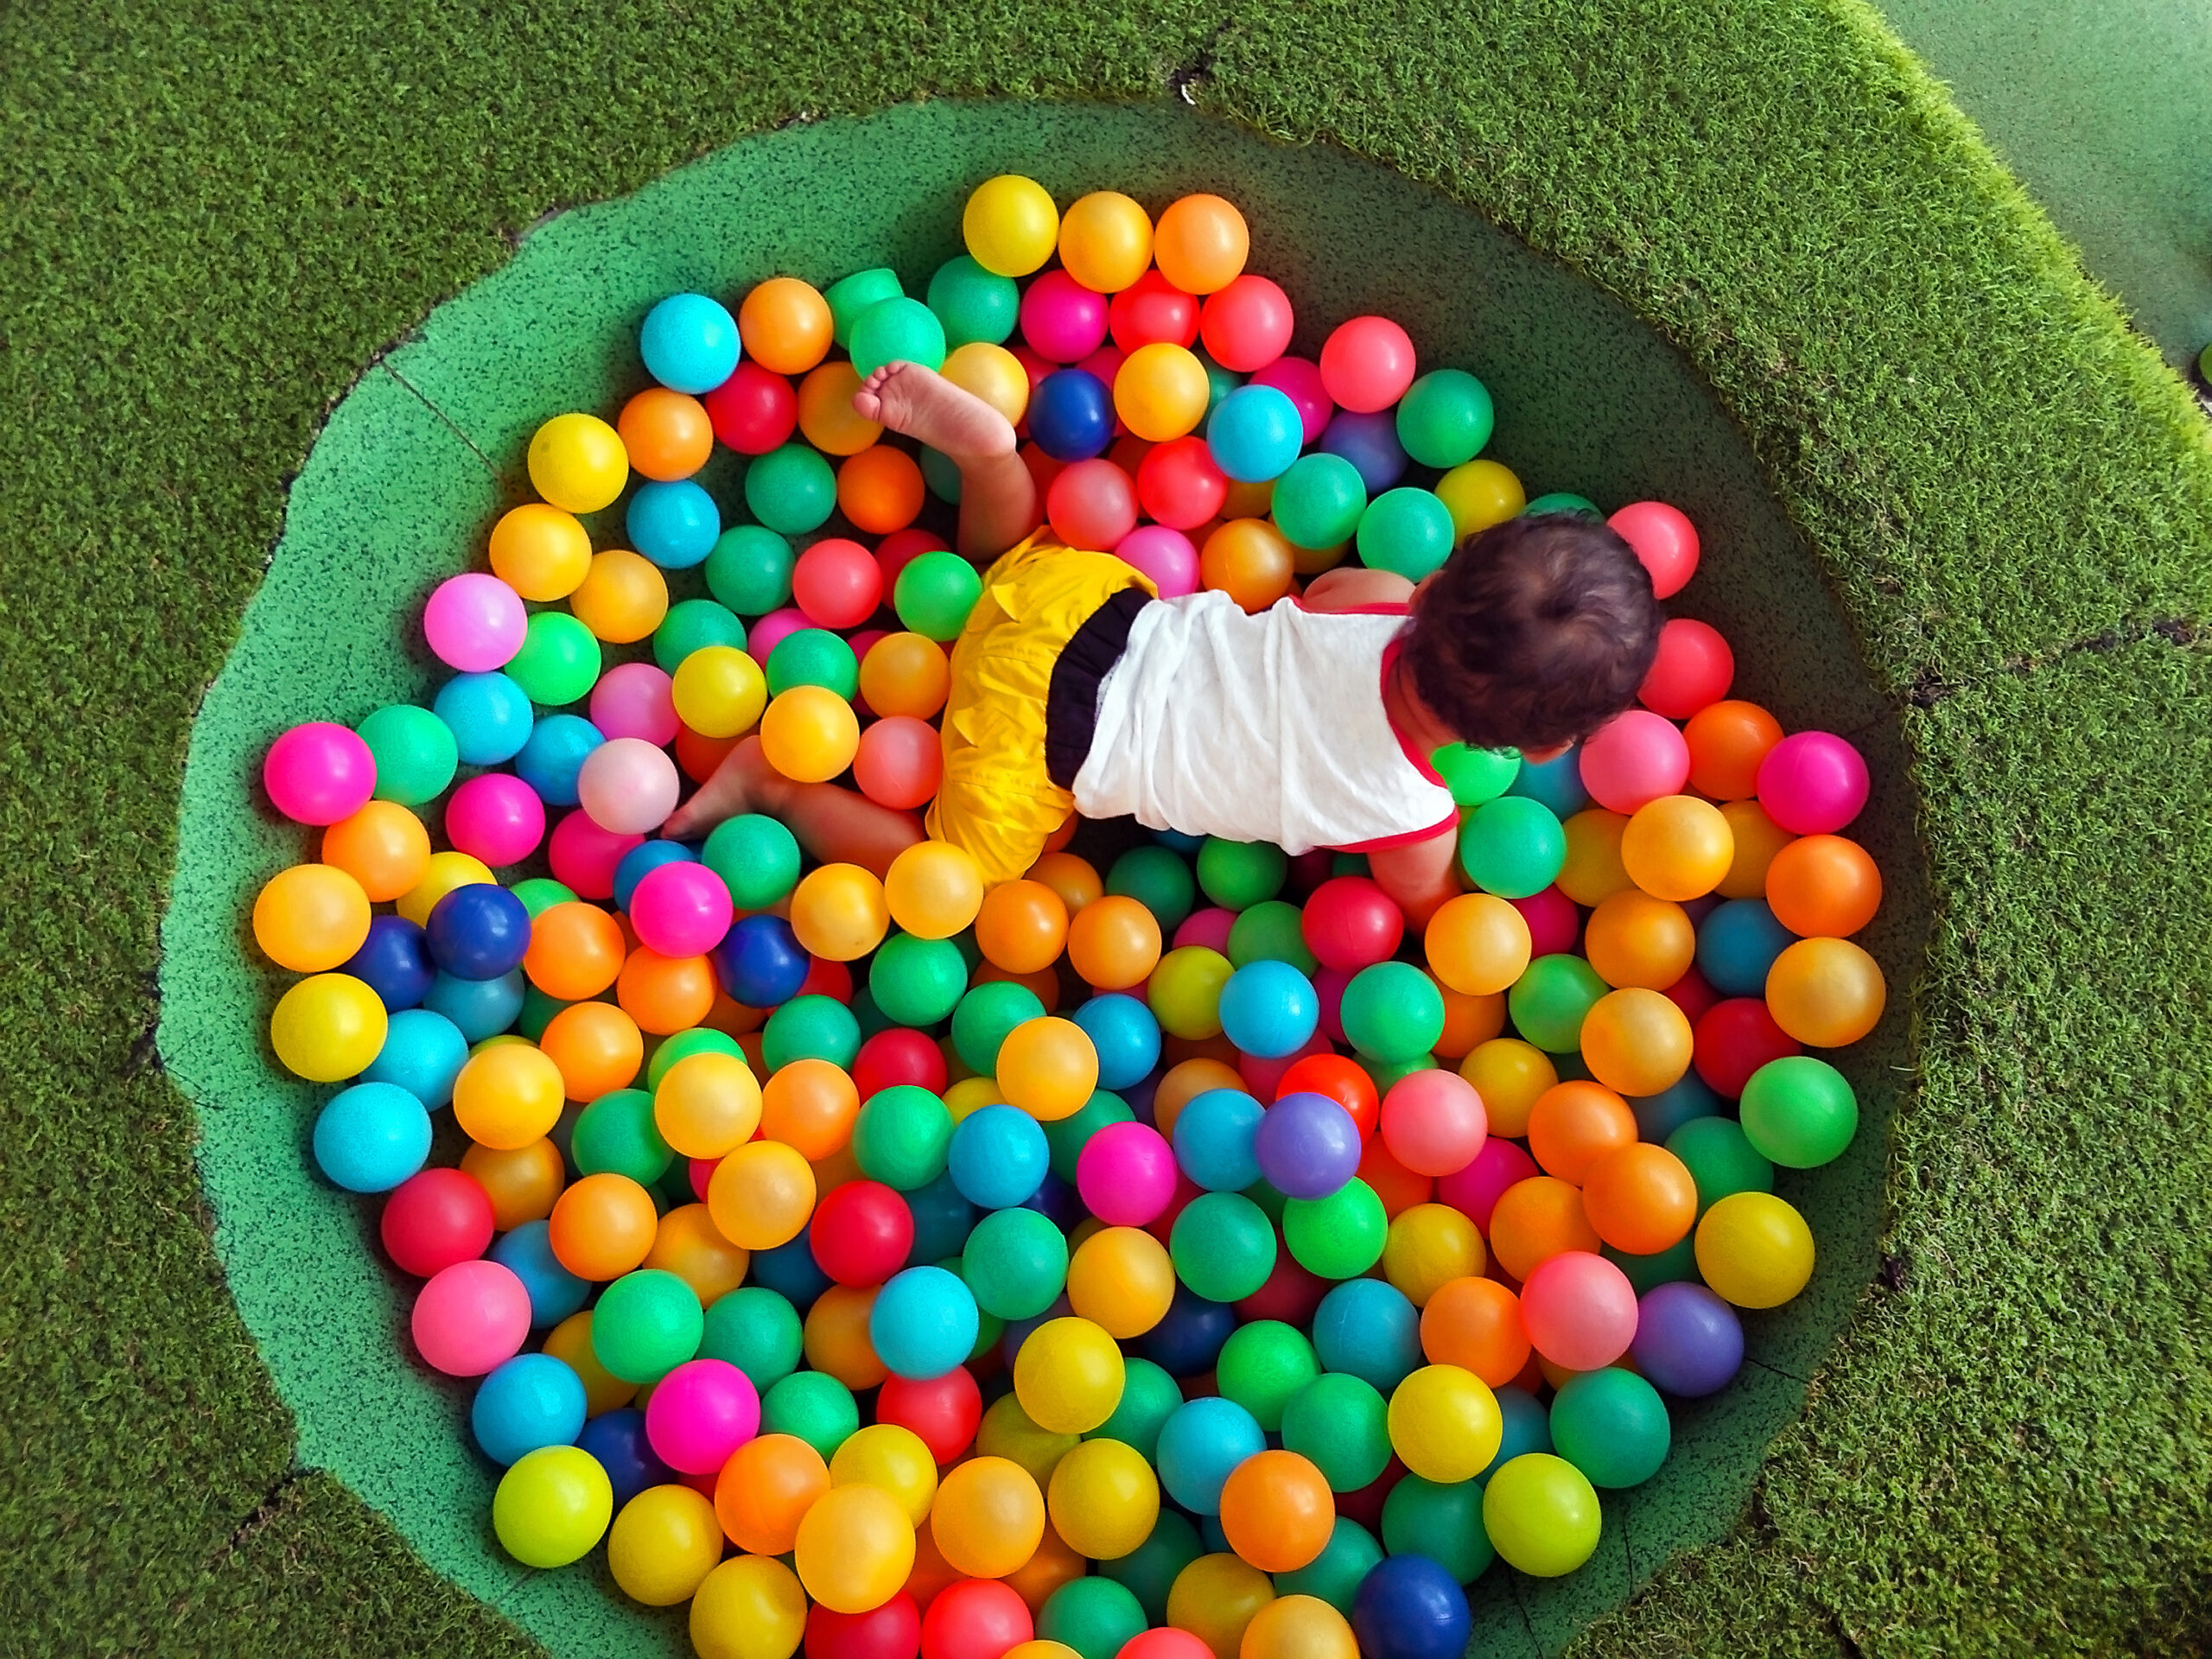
(1413, 757)
(1406, 838)
(1420, 762)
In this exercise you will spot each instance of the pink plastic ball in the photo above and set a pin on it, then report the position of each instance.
(583, 855)
(1553, 920)
(700, 1413)
(1166, 555)
(837, 584)
(773, 630)
(1367, 363)
(635, 700)
(1351, 924)
(1579, 1310)
(471, 1317)
(1664, 539)
(627, 785)
(901, 762)
(1247, 325)
(1299, 379)
(865, 641)
(474, 623)
(1693, 670)
(319, 773)
(1813, 783)
(1433, 1121)
(497, 817)
(1092, 504)
(1208, 927)
(1634, 757)
(1474, 1191)
(1062, 320)
(1126, 1174)
(681, 910)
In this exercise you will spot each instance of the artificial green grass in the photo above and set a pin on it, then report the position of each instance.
(216, 216)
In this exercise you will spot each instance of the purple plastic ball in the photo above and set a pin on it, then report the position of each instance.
(1688, 1342)
(1308, 1146)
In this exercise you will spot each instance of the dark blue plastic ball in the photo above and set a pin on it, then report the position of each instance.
(1190, 1338)
(1071, 414)
(1370, 443)
(1057, 1202)
(478, 932)
(760, 962)
(1410, 1607)
(395, 962)
(616, 1441)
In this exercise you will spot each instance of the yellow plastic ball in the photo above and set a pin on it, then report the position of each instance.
(540, 551)
(577, 462)
(445, 871)
(1593, 872)
(988, 1517)
(1298, 1627)
(664, 1544)
(1007, 1432)
(761, 1194)
(707, 1104)
(1104, 1499)
(1123, 1279)
(720, 691)
(855, 1547)
(1826, 993)
(750, 1607)
(552, 1506)
(507, 1096)
(1636, 1041)
(1010, 225)
(809, 734)
(1427, 1246)
(1041, 1648)
(311, 918)
(1510, 1075)
(1757, 838)
(1445, 1424)
(1480, 493)
(933, 889)
(1215, 1599)
(1106, 241)
(1048, 1067)
(1478, 943)
(1068, 1376)
(1754, 1249)
(622, 599)
(1677, 847)
(992, 373)
(891, 1460)
(839, 912)
(327, 1028)
(1160, 392)
(688, 1245)
(569, 1342)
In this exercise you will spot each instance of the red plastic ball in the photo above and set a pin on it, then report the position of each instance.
(1291, 1294)
(1091, 504)
(1734, 1040)
(825, 978)
(1365, 1505)
(1367, 363)
(1664, 539)
(975, 1619)
(1166, 1642)
(1692, 995)
(754, 411)
(1350, 923)
(837, 583)
(1162, 1226)
(896, 1056)
(1342, 1079)
(900, 549)
(861, 1233)
(900, 762)
(944, 1412)
(434, 1219)
(1247, 325)
(1152, 311)
(891, 1631)
(1553, 920)
(1105, 364)
(1693, 670)
(1179, 486)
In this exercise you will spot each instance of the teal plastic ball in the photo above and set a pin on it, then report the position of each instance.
(1512, 846)
(1407, 531)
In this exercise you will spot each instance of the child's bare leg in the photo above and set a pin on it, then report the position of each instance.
(998, 498)
(833, 825)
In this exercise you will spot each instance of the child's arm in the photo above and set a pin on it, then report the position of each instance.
(1419, 874)
(1349, 588)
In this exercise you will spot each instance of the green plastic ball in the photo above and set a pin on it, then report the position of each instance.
(1236, 874)
(750, 570)
(693, 625)
(1334, 1575)
(1444, 1523)
(1383, 1074)
(1262, 1364)
(1512, 846)
(901, 1135)
(811, 1028)
(1220, 383)
(615, 1135)
(916, 981)
(1541, 1515)
(1612, 1426)
(1150, 1570)
(539, 893)
(984, 1019)
(537, 1012)
(1392, 1012)
(973, 304)
(934, 594)
(756, 857)
(1550, 1000)
(1157, 878)
(850, 296)
(1149, 1398)
(897, 331)
(941, 473)
(1066, 1137)
(1562, 501)
(1474, 776)
(1340, 1424)
(1271, 931)
(756, 1330)
(1446, 418)
(645, 1324)
(1185, 991)
(559, 660)
(1799, 1112)
(700, 1039)
(1676, 1264)
(1222, 1246)
(815, 1406)
(1317, 503)
(1015, 1262)
(813, 656)
(1094, 1615)
(1340, 1236)
(1270, 1200)
(791, 490)
(1722, 1160)
(415, 752)
(1405, 529)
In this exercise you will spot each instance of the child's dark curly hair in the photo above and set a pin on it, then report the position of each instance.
(1535, 632)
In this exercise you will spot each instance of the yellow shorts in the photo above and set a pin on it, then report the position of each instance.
(997, 800)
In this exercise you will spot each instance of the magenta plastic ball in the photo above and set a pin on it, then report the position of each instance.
(1634, 758)
(1552, 922)
(1299, 379)
(1433, 1121)
(681, 910)
(627, 785)
(1091, 504)
(1125, 1174)
(1166, 555)
(1210, 927)
(474, 623)
(635, 700)
(1474, 1191)
(583, 855)
(699, 1414)
(771, 630)
(1350, 923)
(471, 1317)
(319, 773)
(1062, 320)
(1579, 1310)
(497, 817)
(1329, 985)
(1813, 783)
(1367, 363)
(1307, 1145)
(1693, 670)
(1663, 539)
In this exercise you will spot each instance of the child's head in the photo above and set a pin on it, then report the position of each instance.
(1536, 632)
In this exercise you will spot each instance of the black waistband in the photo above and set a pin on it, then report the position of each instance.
(1071, 702)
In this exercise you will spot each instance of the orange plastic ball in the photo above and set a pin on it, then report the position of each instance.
(665, 995)
(1635, 939)
(602, 1226)
(1574, 1124)
(764, 1490)
(906, 674)
(1184, 1082)
(1636, 1041)
(1401, 1189)
(576, 952)
(1076, 880)
(836, 1335)
(707, 1104)
(623, 598)
(1757, 839)
(1160, 392)
(667, 434)
(762, 1194)
(507, 1096)
(1249, 560)
(785, 325)
(1277, 1510)
(569, 1342)
(1593, 872)
(1105, 241)
(880, 490)
(540, 551)
(933, 889)
(827, 418)
(1727, 741)
(1826, 993)
(1475, 1324)
(1200, 244)
(523, 1182)
(839, 912)
(1536, 1219)
(384, 846)
(1468, 1021)
(809, 734)
(1477, 943)
(1048, 1068)
(311, 918)
(1052, 1564)
(1641, 1199)
(1114, 943)
(1677, 847)
(810, 1105)
(688, 1245)
(988, 1517)
(598, 1049)
(1022, 927)
(1823, 886)
(1510, 1075)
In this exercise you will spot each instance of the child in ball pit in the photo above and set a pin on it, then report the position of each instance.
(1309, 724)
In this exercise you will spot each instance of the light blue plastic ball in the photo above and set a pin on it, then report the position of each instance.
(1255, 434)
(674, 524)
(1368, 1327)
(422, 1052)
(1270, 1009)
(1214, 1135)
(554, 753)
(1556, 783)
(1125, 1033)
(555, 1293)
(1200, 1445)
(489, 715)
(924, 1322)
(998, 1158)
(371, 1137)
(1528, 1428)
(530, 1401)
(1736, 946)
(690, 343)
(481, 1008)
(641, 861)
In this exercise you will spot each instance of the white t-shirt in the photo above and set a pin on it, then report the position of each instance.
(1259, 728)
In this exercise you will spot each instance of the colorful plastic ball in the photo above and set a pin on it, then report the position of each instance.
(497, 818)
(667, 435)
(1392, 1012)
(1368, 1328)
(1254, 434)
(754, 411)
(616, 1441)
(422, 1054)
(1091, 504)
(700, 1413)
(1068, 1376)
(1688, 1341)
(1433, 1122)
(785, 324)
(371, 1137)
(646, 1324)
(1277, 1511)
(854, 1548)
(848, 296)
(312, 918)
(1179, 486)
(924, 1323)
(529, 1402)
(1754, 1249)
(478, 931)
(1410, 1607)
(1663, 540)
(552, 1506)
(1636, 1041)
(663, 1545)
(384, 846)
(1160, 392)
(1126, 1174)
(1339, 1235)
(988, 1517)
(470, 1317)
(1016, 1262)
(1201, 1446)
(1248, 559)
(997, 1158)
(1826, 993)
(690, 343)
(1738, 945)
(1445, 418)
(1319, 502)
(488, 716)
(1512, 846)
(1121, 1279)
(539, 551)
(577, 462)
(674, 524)
(891, 1631)
(1728, 742)
(1641, 1200)
(1634, 758)
(1224, 1246)
(897, 331)
(1798, 1112)
(1475, 1322)
(319, 773)
(1268, 1008)
(1444, 1423)
(327, 1028)
(1306, 1146)
(1350, 924)
(1692, 671)
(1048, 1068)
(1542, 1514)
(683, 909)
(1823, 886)
(973, 303)
(1406, 530)
(935, 594)
(621, 599)
(1105, 241)
(1213, 1140)
(474, 622)
(1200, 244)
(1010, 225)
(1126, 1035)
(555, 1293)
(975, 1618)
(767, 1487)
(1072, 415)
(749, 1607)
(1246, 324)
(1443, 1523)
(1579, 1310)
(791, 490)
(1611, 1424)
(1677, 847)
(1062, 320)
(560, 657)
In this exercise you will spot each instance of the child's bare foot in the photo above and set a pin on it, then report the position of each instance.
(919, 402)
(732, 789)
